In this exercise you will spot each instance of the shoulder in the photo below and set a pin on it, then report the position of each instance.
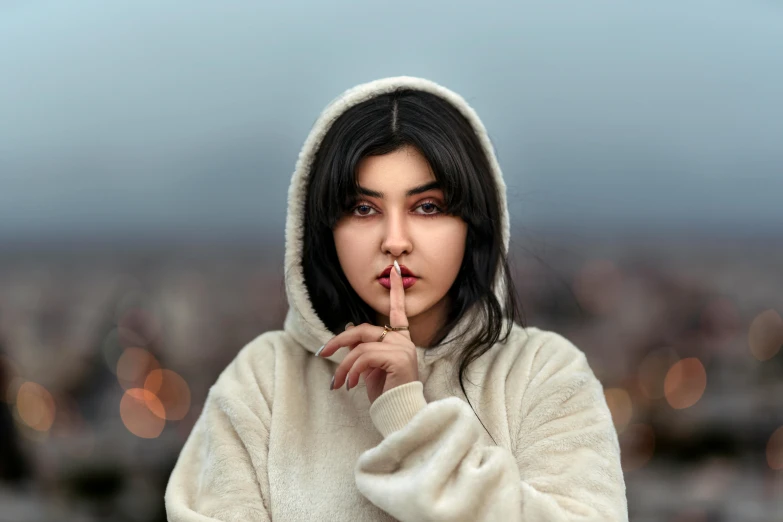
(535, 349)
(534, 356)
(530, 353)
(547, 348)
(550, 377)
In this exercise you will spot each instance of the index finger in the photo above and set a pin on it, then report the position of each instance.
(397, 315)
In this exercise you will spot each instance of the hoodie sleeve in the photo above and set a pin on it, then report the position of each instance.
(564, 464)
(221, 472)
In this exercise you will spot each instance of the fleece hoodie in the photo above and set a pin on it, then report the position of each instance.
(274, 443)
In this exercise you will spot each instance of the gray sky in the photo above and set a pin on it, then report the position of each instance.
(154, 116)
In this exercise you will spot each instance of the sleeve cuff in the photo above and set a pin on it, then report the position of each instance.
(396, 407)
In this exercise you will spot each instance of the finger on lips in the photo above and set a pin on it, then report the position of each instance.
(397, 315)
(370, 354)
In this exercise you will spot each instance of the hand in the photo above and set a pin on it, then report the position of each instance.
(385, 365)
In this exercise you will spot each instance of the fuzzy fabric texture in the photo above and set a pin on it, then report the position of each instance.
(274, 443)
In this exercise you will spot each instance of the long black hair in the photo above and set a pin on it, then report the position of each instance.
(380, 125)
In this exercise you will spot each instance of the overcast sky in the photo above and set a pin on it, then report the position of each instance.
(161, 116)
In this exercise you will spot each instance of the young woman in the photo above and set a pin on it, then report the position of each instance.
(436, 405)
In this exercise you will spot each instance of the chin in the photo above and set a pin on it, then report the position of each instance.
(413, 307)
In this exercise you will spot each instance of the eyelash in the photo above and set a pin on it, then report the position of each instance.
(433, 203)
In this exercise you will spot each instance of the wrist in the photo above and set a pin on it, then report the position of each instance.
(394, 408)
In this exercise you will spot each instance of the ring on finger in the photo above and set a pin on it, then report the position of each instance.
(387, 329)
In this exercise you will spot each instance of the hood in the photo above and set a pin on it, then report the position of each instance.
(301, 321)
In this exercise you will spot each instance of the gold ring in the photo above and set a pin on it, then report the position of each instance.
(396, 328)
(387, 329)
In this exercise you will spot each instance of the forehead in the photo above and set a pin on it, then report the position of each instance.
(398, 170)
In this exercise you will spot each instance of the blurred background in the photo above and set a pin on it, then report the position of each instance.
(145, 153)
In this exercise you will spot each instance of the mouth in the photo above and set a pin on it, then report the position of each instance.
(403, 269)
(408, 278)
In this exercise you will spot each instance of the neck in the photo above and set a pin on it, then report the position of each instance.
(423, 326)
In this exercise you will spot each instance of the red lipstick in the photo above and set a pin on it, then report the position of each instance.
(408, 277)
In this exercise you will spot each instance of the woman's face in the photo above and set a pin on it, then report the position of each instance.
(397, 217)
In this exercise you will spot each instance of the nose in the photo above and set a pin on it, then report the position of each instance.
(396, 241)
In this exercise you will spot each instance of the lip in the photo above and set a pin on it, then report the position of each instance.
(403, 269)
(407, 282)
(408, 277)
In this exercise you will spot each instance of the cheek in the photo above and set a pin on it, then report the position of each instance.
(351, 252)
(447, 244)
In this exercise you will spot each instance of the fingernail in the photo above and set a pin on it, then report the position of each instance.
(349, 325)
(347, 384)
(397, 268)
(331, 386)
(319, 351)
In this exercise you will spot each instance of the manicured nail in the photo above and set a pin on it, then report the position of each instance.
(347, 384)
(319, 351)
(397, 268)
(331, 386)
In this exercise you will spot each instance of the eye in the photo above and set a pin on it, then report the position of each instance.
(429, 208)
(362, 210)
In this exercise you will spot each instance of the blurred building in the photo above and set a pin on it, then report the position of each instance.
(110, 353)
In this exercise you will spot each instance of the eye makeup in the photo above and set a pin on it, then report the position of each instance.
(434, 203)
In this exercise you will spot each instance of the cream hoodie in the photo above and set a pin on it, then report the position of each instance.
(274, 443)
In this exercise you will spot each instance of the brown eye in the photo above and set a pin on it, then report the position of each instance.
(363, 210)
(429, 208)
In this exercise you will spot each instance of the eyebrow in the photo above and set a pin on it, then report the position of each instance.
(411, 192)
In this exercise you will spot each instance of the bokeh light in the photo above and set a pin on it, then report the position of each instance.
(685, 383)
(35, 406)
(172, 391)
(142, 413)
(133, 367)
(621, 406)
(653, 369)
(637, 445)
(775, 450)
(765, 336)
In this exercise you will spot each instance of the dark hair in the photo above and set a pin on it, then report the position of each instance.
(436, 128)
